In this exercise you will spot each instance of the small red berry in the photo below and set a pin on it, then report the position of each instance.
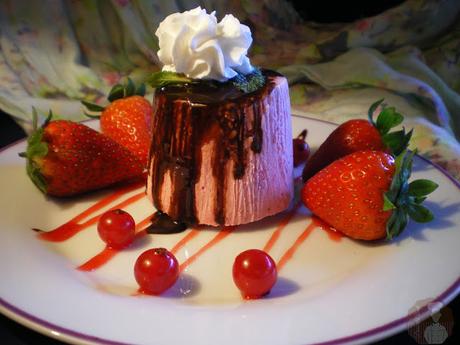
(116, 228)
(254, 273)
(156, 270)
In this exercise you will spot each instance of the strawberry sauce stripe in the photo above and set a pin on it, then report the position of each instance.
(223, 233)
(70, 229)
(108, 253)
(105, 201)
(298, 242)
(98, 260)
(281, 225)
(187, 238)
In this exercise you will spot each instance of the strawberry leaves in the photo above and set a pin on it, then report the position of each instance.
(397, 141)
(421, 188)
(129, 89)
(372, 110)
(118, 91)
(36, 150)
(387, 119)
(92, 107)
(404, 198)
(419, 213)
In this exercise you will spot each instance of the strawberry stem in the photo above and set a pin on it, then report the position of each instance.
(303, 135)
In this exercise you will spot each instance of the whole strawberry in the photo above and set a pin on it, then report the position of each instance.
(127, 119)
(65, 158)
(358, 135)
(366, 195)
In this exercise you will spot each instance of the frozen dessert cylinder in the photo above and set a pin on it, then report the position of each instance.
(221, 154)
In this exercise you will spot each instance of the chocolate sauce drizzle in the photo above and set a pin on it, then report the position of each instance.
(185, 118)
(164, 224)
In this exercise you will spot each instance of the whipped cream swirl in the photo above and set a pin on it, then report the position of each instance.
(194, 43)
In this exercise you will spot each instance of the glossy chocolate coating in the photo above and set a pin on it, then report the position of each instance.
(186, 116)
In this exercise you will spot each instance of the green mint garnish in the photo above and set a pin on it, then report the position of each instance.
(245, 83)
(250, 82)
(161, 79)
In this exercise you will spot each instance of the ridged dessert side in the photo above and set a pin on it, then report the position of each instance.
(223, 163)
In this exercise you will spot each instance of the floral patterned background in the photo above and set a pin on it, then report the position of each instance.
(54, 53)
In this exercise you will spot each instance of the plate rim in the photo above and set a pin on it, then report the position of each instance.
(381, 332)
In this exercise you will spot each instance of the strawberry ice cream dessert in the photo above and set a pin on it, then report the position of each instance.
(221, 151)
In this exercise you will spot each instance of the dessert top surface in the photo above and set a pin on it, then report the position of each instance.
(210, 92)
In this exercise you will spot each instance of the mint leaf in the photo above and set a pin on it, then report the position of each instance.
(250, 82)
(161, 79)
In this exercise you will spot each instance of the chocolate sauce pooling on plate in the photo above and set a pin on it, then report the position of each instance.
(164, 224)
(187, 116)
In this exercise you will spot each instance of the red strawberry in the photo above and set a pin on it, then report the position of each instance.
(127, 119)
(65, 158)
(359, 135)
(366, 195)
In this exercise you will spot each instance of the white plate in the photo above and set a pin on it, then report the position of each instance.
(334, 292)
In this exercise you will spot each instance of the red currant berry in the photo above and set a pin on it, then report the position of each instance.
(254, 273)
(116, 228)
(156, 270)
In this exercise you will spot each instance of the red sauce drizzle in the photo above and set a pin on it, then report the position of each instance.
(108, 253)
(187, 238)
(98, 260)
(290, 252)
(72, 227)
(221, 234)
(282, 224)
(75, 225)
(332, 233)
